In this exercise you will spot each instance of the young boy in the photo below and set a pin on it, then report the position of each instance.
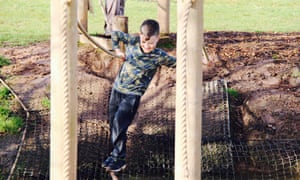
(141, 61)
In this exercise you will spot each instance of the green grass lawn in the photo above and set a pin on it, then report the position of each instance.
(255, 15)
(23, 21)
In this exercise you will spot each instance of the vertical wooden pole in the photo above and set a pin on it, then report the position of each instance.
(83, 6)
(189, 90)
(63, 132)
(164, 15)
(120, 23)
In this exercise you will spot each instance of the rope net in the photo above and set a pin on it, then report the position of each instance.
(151, 138)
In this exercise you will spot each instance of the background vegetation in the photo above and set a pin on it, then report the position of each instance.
(23, 21)
(10, 122)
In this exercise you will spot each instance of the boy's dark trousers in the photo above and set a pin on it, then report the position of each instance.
(122, 109)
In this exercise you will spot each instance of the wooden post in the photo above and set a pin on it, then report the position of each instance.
(164, 16)
(83, 6)
(120, 23)
(189, 90)
(63, 132)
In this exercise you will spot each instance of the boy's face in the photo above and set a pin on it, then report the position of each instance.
(148, 43)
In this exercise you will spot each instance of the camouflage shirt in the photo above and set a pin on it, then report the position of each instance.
(138, 68)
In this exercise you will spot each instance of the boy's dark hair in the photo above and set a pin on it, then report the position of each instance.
(151, 28)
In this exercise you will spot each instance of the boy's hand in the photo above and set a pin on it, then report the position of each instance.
(120, 54)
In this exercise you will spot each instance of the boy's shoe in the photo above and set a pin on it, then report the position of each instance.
(107, 161)
(117, 166)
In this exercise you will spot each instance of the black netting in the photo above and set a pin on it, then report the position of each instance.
(33, 162)
(151, 139)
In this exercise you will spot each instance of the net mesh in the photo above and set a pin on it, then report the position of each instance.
(151, 139)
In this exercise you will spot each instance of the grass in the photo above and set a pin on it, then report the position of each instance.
(23, 22)
(4, 61)
(10, 122)
(232, 92)
(46, 102)
(256, 15)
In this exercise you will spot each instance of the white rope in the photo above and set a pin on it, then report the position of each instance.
(183, 86)
(65, 87)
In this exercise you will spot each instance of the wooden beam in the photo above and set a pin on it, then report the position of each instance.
(189, 90)
(120, 23)
(63, 132)
(83, 7)
(164, 15)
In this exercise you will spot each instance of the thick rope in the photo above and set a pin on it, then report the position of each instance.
(83, 31)
(65, 87)
(183, 87)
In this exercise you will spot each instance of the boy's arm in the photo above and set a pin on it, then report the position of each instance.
(168, 60)
(117, 37)
(120, 53)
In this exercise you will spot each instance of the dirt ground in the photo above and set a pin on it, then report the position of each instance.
(262, 68)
